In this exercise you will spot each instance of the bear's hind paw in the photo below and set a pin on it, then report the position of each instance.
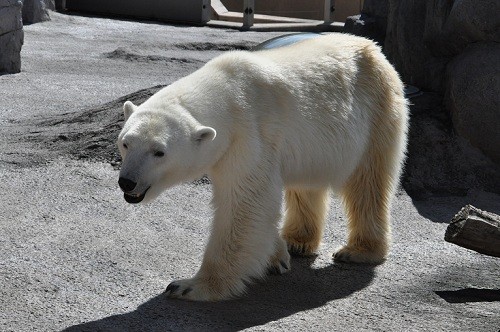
(297, 248)
(359, 255)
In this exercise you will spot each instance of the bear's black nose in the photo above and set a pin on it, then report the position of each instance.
(126, 184)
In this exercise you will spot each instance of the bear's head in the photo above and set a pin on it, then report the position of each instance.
(160, 147)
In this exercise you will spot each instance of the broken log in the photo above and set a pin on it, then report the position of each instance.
(475, 229)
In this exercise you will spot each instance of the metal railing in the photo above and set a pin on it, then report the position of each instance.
(249, 11)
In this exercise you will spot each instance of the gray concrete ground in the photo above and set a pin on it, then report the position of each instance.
(74, 256)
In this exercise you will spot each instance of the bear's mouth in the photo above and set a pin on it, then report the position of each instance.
(135, 198)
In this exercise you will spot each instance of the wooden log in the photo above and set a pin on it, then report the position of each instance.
(475, 229)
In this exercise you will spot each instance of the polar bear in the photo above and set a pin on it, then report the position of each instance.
(327, 113)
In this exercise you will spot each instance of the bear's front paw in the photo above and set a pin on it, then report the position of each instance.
(197, 289)
(360, 255)
(280, 261)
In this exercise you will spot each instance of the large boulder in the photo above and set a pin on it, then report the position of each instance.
(423, 36)
(405, 46)
(35, 11)
(450, 48)
(11, 36)
(451, 26)
(473, 98)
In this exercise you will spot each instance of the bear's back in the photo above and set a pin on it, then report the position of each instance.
(337, 45)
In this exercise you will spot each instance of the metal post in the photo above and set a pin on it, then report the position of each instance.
(329, 10)
(248, 12)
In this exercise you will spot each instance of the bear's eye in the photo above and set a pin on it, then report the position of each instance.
(159, 154)
(125, 146)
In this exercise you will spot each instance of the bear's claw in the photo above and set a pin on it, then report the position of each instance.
(278, 269)
(300, 249)
(280, 261)
(202, 289)
(187, 290)
(171, 288)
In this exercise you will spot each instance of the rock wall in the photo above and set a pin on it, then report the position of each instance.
(422, 37)
(406, 48)
(450, 26)
(450, 48)
(11, 36)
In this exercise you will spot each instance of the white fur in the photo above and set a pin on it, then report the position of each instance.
(307, 117)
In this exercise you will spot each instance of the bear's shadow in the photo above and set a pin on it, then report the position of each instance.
(269, 300)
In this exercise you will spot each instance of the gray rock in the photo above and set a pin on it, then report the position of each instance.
(451, 25)
(11, 36)
(423, 36)
(10, 14)
(35, 11)
(406, 49)
(10, 56)
(472, 96)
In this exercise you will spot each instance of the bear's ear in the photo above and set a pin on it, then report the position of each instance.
(204, 134)
(128, 109)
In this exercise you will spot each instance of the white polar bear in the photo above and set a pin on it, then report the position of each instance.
(327, 112)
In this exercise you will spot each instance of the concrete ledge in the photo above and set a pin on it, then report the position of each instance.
(310, 26)
(259, 18)
(186, 11)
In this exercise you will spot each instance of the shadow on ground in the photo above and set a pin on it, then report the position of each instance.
(466, 295)
(303, 289)
(441, 209)
(467, 284)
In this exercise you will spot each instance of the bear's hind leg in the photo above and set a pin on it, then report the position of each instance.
(367, 197)
(305, 220)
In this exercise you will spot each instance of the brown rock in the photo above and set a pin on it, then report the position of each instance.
(475, 229)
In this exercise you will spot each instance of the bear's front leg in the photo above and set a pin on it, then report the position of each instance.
(207, 285)
(243, 245)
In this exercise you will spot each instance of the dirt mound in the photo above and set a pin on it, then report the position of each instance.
(89, 134)
(122, 53)
(245, 46)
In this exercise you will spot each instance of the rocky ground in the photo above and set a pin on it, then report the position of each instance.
(76, 257)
